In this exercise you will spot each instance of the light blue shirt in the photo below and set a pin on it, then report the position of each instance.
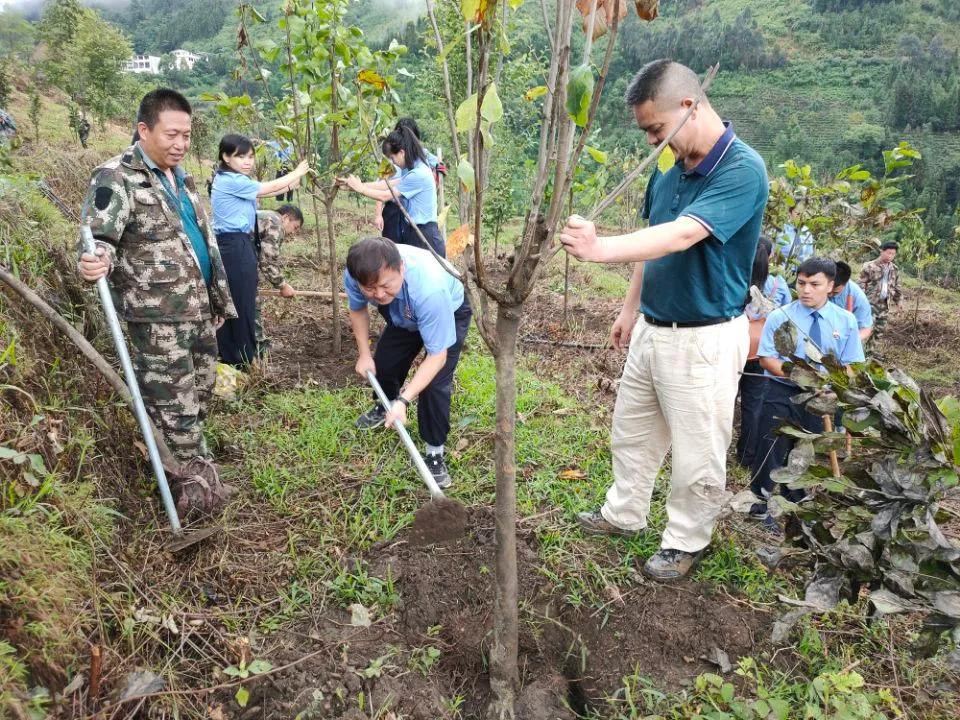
(797, 245)
(776, 289)
(839, 334)
(234, 201)
(418, 190)
(426, 302)
(860, 307)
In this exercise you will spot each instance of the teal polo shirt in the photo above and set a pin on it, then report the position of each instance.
(180, 200)
(726, 193)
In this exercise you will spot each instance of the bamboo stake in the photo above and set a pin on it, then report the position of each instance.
(834, 462)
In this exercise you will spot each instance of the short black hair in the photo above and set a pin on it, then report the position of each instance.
(233, 144)
(843, 273)
(890, 245)
(156, 101)
(367, 257)
(291, 210)
(409, 122)
(662, 77)
(814, 265)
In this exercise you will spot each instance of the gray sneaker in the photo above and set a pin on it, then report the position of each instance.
(593, 523)
(372, 418)
(438, 468)
(668, 565)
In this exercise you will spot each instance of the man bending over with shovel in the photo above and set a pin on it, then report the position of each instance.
(424, 307)
(154, 242)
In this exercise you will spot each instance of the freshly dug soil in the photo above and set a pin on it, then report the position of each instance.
(438, 520)
(570, 657)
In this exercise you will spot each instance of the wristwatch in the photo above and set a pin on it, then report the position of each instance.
(402, 399)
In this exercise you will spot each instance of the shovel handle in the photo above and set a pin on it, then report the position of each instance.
(106, 299)
(412, 451)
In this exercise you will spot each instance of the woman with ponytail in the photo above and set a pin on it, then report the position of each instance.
(234, 197)
(414, 185)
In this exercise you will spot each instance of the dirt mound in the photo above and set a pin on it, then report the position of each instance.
(431, 650)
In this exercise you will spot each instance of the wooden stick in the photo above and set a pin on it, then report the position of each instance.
(318, 294)
(834, 462)
(96, 664)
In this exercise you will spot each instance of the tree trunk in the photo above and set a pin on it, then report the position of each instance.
(334, 275)
(504, 676)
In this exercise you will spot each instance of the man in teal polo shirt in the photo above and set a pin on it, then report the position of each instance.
(690, 342)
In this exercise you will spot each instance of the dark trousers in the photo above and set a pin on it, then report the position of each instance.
(393, 221)
(772, 449)
(430, 230)
(237, 337)
(751, 403)
(288, 195)
(396, 350)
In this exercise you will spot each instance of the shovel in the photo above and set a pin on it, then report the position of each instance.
(181, 540)
(440, 519)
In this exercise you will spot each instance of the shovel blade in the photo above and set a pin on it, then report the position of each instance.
(189, 539)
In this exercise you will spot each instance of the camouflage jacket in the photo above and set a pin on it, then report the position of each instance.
(871, 280)
(154, 269)
(270, 228)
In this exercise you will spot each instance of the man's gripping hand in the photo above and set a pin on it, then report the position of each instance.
(95, 266)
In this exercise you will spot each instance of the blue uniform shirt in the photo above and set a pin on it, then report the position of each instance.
(234, 201)
(726, 193)
(180, 201)
(426, 302)
(776, 289)
(860, 307)
(418, 190)
(838, 332)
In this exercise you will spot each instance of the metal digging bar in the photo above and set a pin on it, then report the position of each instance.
(180, 540)
(412, 451)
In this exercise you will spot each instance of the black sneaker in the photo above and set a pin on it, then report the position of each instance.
(438, 468)
(758, 511)
(372, 418)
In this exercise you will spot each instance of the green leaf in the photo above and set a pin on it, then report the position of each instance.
(259, 666)
(242, 696)
(579, 94)
(726, 692)
(514, 4)
(467, 114)
(233, 671)
(599, 156)
(491, 109)
(465, 175)
(8, 453)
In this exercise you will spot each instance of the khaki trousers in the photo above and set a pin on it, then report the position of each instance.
(677, 391)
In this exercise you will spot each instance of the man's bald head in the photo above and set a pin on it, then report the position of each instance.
(663, 82)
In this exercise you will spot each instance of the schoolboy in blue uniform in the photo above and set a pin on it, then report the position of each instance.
(830, 328)
(424, 308)
(851, 297)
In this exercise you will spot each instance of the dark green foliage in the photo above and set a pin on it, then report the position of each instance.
(159, 26)
(879, 524)
(925, 87)
(6, 89)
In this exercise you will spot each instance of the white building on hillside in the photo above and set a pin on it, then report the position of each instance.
(143, 64)
(185, 60)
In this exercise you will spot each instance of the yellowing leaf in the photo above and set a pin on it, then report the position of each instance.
(242, 697)
(573, 474)
(474, 10)
(467, 114)
(514, 4)
(372, 77)
(598, 155)
(465, 175)
(459, 240)
(386, 169)
(647, 9)
(492, 109)
(535, 92)
(604, 15)
(666, 160)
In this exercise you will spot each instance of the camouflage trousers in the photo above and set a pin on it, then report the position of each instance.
(263, 342)
(176, 366)
(881, 310)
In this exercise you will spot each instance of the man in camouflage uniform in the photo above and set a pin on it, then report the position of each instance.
(880, 281)
(156, 245)
(273, 227)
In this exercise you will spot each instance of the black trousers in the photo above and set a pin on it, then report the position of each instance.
(288, 195)
(393, 221)
(772, 449)
(396, 350)
(751, 404)
(430, 230)
(237, 337)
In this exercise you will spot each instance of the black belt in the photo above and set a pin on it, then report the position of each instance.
(689, 324)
